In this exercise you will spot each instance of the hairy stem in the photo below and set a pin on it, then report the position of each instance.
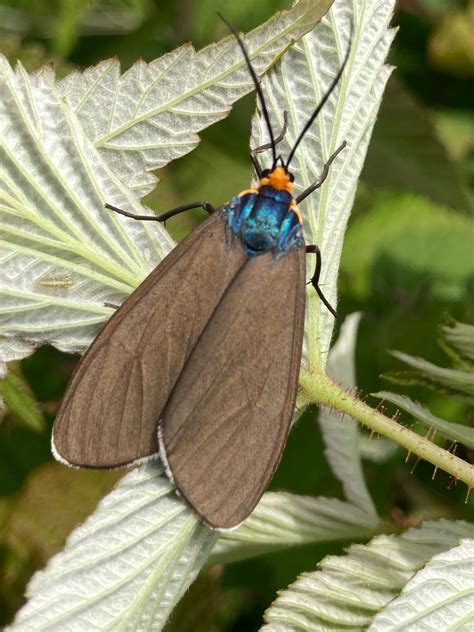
(318, 388)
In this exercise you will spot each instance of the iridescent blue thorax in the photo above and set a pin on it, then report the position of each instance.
(264, 220)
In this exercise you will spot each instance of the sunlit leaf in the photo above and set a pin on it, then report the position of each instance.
(126, 566)
(132, 560)
(281, 520)
(296, 86)
(348, 591)
(439, 597)
(152, 114)
(53, 187)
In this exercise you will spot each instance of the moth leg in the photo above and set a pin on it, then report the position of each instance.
(313, 249)
(112, 305)
(278, 139)
(207, 206)
(257, 150)
(323, 176)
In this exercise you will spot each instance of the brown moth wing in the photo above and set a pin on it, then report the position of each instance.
(110, 412)
(225, 425)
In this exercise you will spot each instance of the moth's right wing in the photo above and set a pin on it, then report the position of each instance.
(225, 424)
(111, 409)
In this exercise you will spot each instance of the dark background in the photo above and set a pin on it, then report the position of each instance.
(407, 260)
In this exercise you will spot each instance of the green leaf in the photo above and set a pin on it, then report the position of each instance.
(132, 560)
(51, 502)
(407, 155)
(455, 432)
(54, 226)
(126, 566)
(409, 243)
(341, 434)
(460, 383)
(152, 114)
(19, 399)
(438, 597)
(460, 337)
(68, 23)
(296, 85)
(281, 520)
(52, 193)
(456, 129)
(451, 48)
(348, 591)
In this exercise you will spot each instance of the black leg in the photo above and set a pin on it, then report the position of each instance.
(278, 139)
(323, 176)
(315, 278)
(164, 216)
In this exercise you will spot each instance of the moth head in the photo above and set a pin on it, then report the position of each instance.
(279, 178)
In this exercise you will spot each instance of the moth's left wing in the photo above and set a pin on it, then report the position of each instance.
(109, 415)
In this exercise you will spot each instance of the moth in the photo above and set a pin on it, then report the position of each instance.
(200, 364)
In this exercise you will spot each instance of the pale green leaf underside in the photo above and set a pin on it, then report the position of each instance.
(52, 207)
(12, 348)
(376, 449)
(461, 337)
(64, 259)
(461, 381)
(341, 434)
(143, 539)
(449, 430)
(281, 520)
(63, 256)
(348, 591)
(126, 566)
(439, 597)
(297, 85)
(152, 114)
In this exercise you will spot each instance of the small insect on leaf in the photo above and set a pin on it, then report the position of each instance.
(55, 282)
(200, 364)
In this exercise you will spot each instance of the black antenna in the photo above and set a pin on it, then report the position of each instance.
(257, 87)
(320, 106)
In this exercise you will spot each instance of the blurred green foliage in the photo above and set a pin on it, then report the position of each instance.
(408, 258)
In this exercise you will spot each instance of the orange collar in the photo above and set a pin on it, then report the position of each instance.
(278, 179)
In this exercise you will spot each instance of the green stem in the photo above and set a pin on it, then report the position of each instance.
(318, 388)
